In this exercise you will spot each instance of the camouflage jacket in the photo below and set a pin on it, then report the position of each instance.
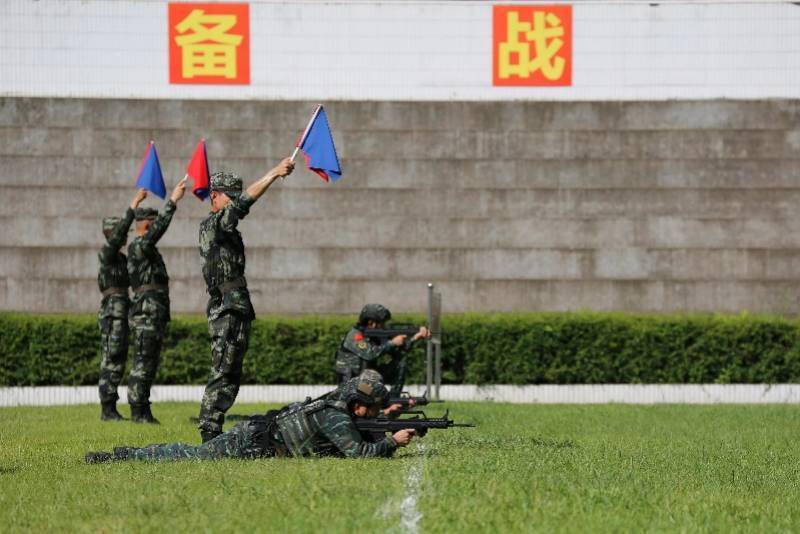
(357, 352)
(330, 431)
(146, 266)
(113, 263)
(222, 250)
(113, 271)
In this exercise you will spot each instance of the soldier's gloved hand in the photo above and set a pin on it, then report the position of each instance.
(403, 437)
(398, 341)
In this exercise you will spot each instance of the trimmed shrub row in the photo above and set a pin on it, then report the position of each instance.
(479, 348)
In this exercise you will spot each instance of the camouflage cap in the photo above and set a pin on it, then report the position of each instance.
(374, 312)
(365, 390)
(143, 214)
(226, 182)
(109, 223)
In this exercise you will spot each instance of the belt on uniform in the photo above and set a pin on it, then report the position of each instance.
(115, 291)
(149, 287)
(233, 284)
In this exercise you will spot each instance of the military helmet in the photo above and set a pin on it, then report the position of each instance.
(374, 312)
(226, 182)
(365, 390)
(371, 374)
(143, 214)
(109, 223)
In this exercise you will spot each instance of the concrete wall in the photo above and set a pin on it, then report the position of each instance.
(655, 206)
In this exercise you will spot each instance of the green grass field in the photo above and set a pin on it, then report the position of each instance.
(525, 468)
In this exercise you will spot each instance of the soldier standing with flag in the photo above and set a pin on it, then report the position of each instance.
(229, 310)
(149, 313)
(113, 315)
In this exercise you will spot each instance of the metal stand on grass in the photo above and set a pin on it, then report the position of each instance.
(434, 345)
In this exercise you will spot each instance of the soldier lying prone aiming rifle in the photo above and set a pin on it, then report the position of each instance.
(324, 427)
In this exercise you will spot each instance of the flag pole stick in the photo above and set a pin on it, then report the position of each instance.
(305, 132)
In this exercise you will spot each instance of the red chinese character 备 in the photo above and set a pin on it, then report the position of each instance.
(209, 43)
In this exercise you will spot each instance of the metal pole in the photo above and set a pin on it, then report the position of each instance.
(429, 347)
(305, 132)
(438, 373)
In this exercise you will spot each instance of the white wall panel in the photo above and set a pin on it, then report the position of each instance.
(528, 394)
(398, 50)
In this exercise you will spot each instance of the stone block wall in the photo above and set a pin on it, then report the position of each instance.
(636, 206)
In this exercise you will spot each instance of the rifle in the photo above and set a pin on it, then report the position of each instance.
(391, 331)
(420, 424)
(404, 401)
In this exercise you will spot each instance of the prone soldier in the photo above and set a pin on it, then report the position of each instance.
(112, 278)
(358, 351)
(324, 427)
(230, 312)
(149, 311)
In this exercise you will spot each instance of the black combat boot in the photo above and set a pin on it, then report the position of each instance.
(109, 412)
(208, 435)
(98, 457)
(140, 413)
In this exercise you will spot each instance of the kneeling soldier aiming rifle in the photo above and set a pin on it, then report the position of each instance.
(371, 345)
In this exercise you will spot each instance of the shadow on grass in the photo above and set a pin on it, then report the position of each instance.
(8, 470)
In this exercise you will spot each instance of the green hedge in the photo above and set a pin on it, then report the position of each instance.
(518, 348)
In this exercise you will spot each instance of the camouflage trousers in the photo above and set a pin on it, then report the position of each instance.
(230, 336)
(113, 353)
(245, 440)
(148, 335)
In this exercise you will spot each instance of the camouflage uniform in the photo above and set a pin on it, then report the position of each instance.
(112, 278)
(230, 312)
(323, 427)
(357, 353)
(149, 312)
